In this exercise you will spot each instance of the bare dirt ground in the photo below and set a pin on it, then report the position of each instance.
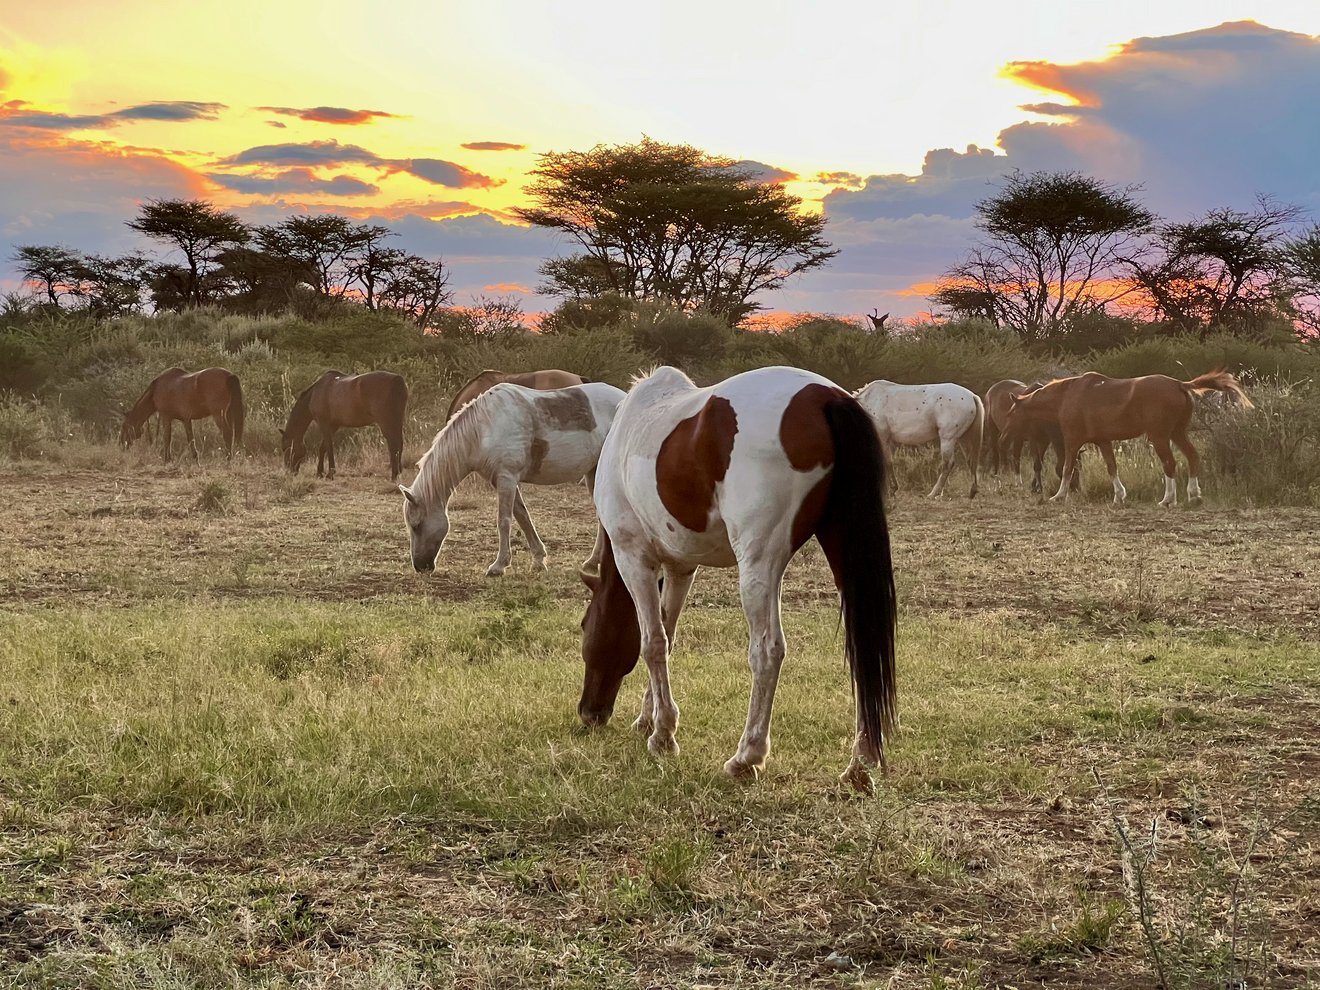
(966, 882)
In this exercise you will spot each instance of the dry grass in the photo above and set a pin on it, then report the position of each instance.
(254, 749)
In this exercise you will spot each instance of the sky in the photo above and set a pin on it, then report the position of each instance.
(892, 118)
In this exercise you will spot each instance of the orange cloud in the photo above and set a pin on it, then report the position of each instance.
(493, 146)
(331, 115)
(506, 287)
(1051, 77)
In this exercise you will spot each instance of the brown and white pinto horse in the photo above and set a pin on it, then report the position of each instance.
(741, 474)
(178, 394)
(1093, 408)
(545, 380)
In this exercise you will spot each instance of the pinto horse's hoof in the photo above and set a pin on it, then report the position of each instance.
(858, 778)
(743, 773)
(495, 570)
(661, 744)
(643, 727)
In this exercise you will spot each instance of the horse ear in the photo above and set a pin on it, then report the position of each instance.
(592, 581)
(407, 493)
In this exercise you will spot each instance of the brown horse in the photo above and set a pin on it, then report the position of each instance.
(1093, 408)
(337, 401)
(1039, 436)
(544, 380)
(178, 394)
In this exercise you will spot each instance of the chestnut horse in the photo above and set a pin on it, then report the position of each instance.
(1093, 408)
(1039, 436)
(741, 474)
(553, 378)
(178, 394)
(337, 401)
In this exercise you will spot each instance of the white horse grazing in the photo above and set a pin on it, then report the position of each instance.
(913, 415)
(508, 435)
(738, 474)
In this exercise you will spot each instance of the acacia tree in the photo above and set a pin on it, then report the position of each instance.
(1228, 268)
(1052, 249)
(196, 228)
(55, 269)
(418, 287)
(1301, 258)
(670, 223)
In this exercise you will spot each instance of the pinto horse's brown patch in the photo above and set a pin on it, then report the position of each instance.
(694, 459)
(807, 518)
(803, 429)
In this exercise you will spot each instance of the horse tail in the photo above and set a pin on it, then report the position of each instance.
(854, 534)
(975, 436)
(1219, 381)
(234, 412)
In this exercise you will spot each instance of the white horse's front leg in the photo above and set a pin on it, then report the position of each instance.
(642, 580)
(507, 489)
(533, 538)
(948, 451)
(592, 564)
(759, 584)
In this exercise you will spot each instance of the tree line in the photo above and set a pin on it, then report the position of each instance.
(1064, 254)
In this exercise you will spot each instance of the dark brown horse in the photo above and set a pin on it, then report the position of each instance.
(338, 401)
(1038, 436)
(178, 394)
(545, 380)
(1093, 408)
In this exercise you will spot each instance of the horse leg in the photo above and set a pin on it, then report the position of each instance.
(167, 436)
(1038, 465)
(187, 431)
(320, 457)
(592, 563)
(948, 451)
(226, 433)
(506, 488)
(1069, 465)
(330, 444)
(1165, 453)
(524, 520)
(673, 595)
(759, 583)
(394, 441)
(971, 446)
(1184, 444)
(1111, 465)
(642, 578)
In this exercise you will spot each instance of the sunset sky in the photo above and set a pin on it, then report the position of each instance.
(893, 118)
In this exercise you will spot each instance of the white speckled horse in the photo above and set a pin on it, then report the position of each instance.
(912, 415)
(509, 434)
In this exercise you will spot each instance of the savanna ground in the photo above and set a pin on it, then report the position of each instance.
(242, 744)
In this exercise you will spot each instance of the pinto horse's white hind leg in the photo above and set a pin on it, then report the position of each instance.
(524, 520)
(948, 453)
(507, 490)
(642, 579)
(759, 583)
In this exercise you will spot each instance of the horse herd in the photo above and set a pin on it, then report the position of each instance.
(738, 474)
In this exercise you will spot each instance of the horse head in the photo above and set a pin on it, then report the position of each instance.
(294, 450)
(611, 640)
(129, 432)
(428, 525)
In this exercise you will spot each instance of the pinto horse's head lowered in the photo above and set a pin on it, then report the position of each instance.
(611, 640)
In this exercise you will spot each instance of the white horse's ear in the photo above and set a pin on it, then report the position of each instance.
(407, 493)
(592, 581)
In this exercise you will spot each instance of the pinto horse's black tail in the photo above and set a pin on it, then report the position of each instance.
(855, 537)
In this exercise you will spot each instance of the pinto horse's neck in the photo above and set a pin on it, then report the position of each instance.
(450, 457)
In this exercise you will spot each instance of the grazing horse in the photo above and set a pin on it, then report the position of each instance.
(178, 394)
(741, 474)
(1039, 436)
(336, 401)
(552, 378)
(509, 434)
(1093, 408)
(912, 415)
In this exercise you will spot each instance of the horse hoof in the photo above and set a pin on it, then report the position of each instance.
(858, 778)
(538, 565)
(495, 570)
(662, 744)
(743, 773)
(643, 727)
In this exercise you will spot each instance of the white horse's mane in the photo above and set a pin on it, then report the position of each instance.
(446, 462)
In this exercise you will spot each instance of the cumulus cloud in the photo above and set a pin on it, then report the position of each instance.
(18, 113)
(1199, 120)
(294, 180)
(331, 115)
(493, 146)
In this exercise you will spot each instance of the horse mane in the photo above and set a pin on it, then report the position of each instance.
(444, 464)
(145, 406)
(662, 376)
(301, 406)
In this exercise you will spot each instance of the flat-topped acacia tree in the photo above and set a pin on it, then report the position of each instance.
(671, 223)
